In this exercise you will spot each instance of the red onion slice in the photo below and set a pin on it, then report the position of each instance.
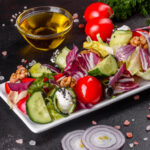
(142, 28)
(102, 137)
(147, 38)
(72, 141)
(53, 69)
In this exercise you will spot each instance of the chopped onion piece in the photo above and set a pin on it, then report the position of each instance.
(102, 137)
(53, 69)
(72, 141)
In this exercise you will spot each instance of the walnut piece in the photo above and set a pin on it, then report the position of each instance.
(21, 73)
(89, 51)
(139, 41)
(67, 82)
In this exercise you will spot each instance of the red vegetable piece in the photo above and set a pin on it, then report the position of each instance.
(58, 76)
(7, 89)
(25, 80)
(97, 10)
(138, 34)
(88, 90)
(129, 135)
(102, 26)
(22, 104)
(126, 122)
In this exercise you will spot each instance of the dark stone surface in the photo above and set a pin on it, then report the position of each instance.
(12, 128)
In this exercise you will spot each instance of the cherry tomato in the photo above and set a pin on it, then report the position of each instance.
(102, 26)
(138, 34)
(88, 90)
(22, 104)
(97, 10)
(57, 76)
(7, 89)
(25, 80)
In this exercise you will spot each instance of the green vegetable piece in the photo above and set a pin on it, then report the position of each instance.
(144, 75)
(107, 67)
(120, 38)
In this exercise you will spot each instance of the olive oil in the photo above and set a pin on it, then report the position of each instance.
(42, 29)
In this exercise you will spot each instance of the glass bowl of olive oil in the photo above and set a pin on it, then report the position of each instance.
(44, 27)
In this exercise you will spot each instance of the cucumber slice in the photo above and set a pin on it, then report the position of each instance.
(37, 110)
(64, 101)
(107, 67)
(61, 58)
(37, 70)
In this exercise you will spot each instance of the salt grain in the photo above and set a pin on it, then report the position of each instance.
(131, 145)
(76, 20)
(75, 16)
(22, 60)
(133, 120)
(16, 14)
(30, 64)
(117, 127)
(32, 142)
(148, 128)
(3, 25)
(2, 78)
(13, 16)
(25, 7)
(11, 20)
(145, 139)
(19, 141)
(94, 122)
(19, 12)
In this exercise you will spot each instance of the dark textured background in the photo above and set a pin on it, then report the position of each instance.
(12, 128)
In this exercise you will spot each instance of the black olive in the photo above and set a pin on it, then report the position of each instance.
(109, 91)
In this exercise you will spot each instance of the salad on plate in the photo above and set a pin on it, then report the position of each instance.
(81, 79)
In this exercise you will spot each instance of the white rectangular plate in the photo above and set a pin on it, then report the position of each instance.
(37, 128)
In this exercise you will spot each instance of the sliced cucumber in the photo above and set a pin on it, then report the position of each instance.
(64, 101)
(61, 58)
(37, 110)
(37, 70)
(107, 67)
(120, 38)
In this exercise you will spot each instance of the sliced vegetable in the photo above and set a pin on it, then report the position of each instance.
(72, 141)
(22, 104)
(7, 88)
(53, 69)
(102, 137)
(145, 59)
(61, 58)
(107, 67)
(25, 80)
(64, 101)
(102, 26)
(37, 110)
(58, 76)
(124, 52)
(135, 33)
(19, 86)
(116, 77)
(144, 75)
(88, 90)
(37, 70)
(96, 10)
(120, 38)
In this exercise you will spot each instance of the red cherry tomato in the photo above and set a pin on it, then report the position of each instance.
(22, 104)
(7, 89)
(57, 76)
(88, 90)
(102, 26)
(138, 34)
(25, 80)
(97, 10)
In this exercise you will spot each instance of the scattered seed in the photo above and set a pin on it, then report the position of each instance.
(13, 16)
(11, 20)
(148, 116)
(131, 145)
(117, 127)
(19, 12)
(16, 14)
(136, 97)
(76, 20)
(148, 128)
(94, 122)
(126, 122)
(19, 141)
(3, 25)
(4, 53)
(136, 143)
(133, 120)
(32, 142)
(75, 16)
(15, 25)
(145, 139)
(129, 135)
(81, 26)
(25, 7)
